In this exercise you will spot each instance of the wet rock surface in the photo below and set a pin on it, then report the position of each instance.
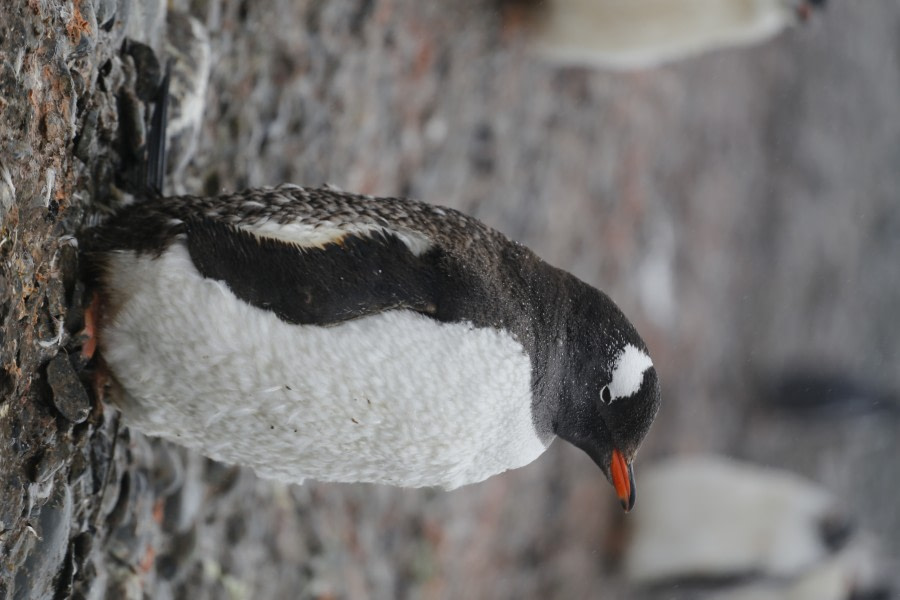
(742, 207)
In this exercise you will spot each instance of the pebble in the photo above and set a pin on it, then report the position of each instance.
(167, 470)
(38, 573)
(85, 145)
(105, 12)
(184, 505)
(179, 558)
(69, 395)
(149, 71)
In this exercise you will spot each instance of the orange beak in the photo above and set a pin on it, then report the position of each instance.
(623, 480)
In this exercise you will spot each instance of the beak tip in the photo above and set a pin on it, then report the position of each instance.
(627, 502)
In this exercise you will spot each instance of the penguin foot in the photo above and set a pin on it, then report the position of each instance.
(98, 373)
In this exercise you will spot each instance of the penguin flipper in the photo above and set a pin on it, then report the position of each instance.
(353, 276)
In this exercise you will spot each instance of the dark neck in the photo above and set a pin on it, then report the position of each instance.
(510, 288)
(554, 301)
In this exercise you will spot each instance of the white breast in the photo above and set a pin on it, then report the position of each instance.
(394, 398)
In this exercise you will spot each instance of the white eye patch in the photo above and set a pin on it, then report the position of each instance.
(628, 372)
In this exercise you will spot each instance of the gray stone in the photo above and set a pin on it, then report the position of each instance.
(147, 68)
(105, 12)
(86, 146)
(37, 576)
(69, 395)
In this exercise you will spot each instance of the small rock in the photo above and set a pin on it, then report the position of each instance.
(184, 504)
(69, 395)
(167, 471)
(81, 547)
(44, 466)
(105, 11)
(178, 560)
(143, 20)
(67, 263)
(108, 482)
(74, 319)
(86, 139)
(149, 72)
(37, 575)
(65, 579)
(83, 48)
(13, 492)
(124, 584)
(133, 131)
(131, 524)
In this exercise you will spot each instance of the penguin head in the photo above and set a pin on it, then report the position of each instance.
(611, 393)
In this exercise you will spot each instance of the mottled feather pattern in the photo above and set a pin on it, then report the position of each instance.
(293, 205)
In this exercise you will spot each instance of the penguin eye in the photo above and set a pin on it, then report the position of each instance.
(606, 395)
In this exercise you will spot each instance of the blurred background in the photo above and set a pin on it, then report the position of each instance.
(742, 206)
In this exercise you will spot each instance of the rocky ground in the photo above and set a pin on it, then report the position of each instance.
(743, 207)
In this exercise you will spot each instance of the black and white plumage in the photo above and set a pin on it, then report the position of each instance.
(311, 333)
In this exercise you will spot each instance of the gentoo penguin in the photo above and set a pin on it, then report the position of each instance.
(637, 34)
(313, 333)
